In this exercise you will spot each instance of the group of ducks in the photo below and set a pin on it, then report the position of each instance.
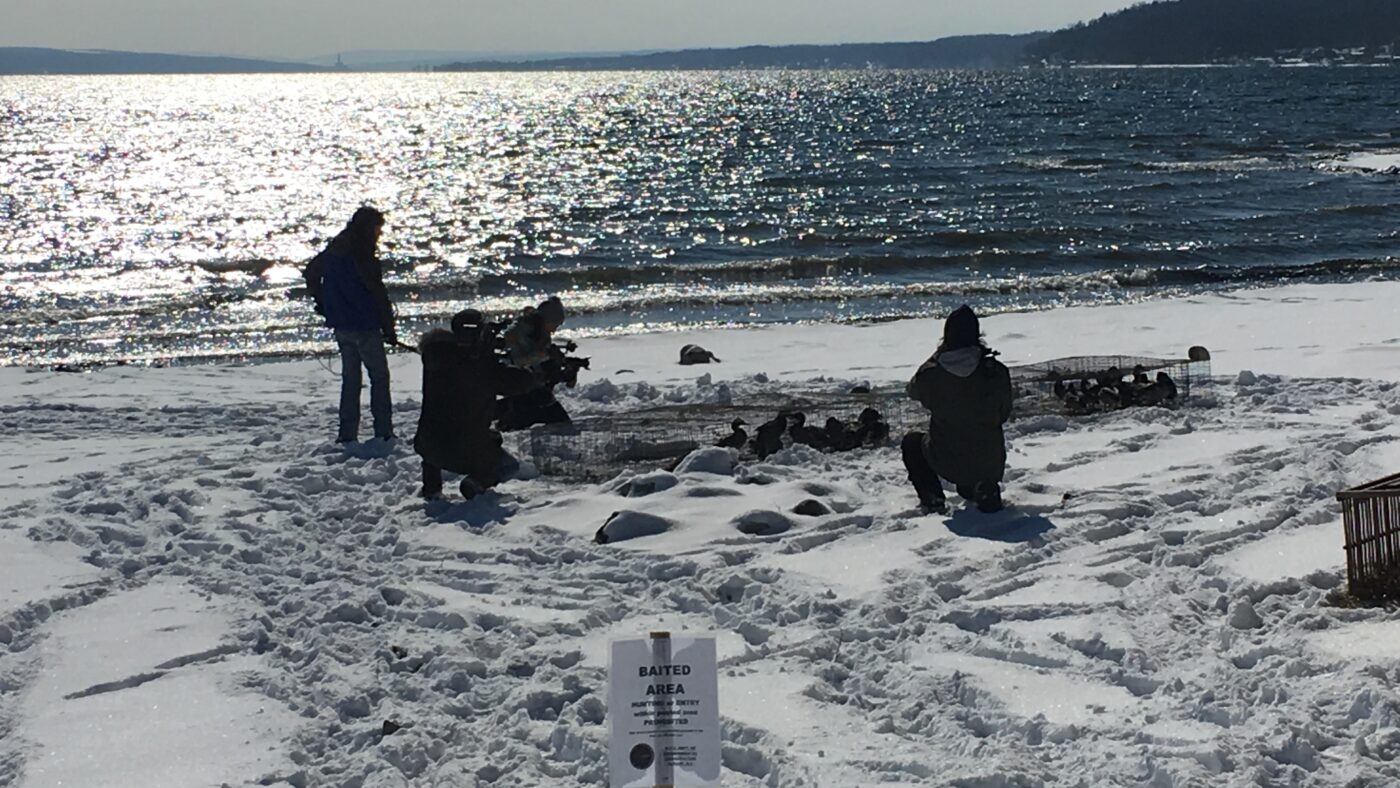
(1109, 391)
(869, 429)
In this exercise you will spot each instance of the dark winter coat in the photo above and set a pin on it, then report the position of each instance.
(459, 404)
(528, 340)
(348, 286)
(968, 395)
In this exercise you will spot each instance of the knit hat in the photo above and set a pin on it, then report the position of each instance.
(466, 322)
(961, 329)
(469, 329)
(552, 310)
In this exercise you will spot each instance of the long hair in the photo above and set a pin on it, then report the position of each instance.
(358, 239)
(944, 346)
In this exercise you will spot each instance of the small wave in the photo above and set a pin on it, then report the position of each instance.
(683, 296)
(766, 269)
(1358, 210)
(1242, 164)
(250, 267)
(1072, 163)
(1380, 162)
(834, 278)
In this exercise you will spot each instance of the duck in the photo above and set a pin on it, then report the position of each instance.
(1168, 386)
(1163, 390)
(1140, 376)
(872, 429)
(694, 354)
(769, 436)
(801, 433)
(1110, 397)
(839, 436)
(1127, 395)
(737, 438)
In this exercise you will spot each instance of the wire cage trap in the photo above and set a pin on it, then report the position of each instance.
(599, 447)
(1077, 385)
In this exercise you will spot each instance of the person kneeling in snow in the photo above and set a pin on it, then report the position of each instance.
(461, 378)
(530, 343)
(968, 395)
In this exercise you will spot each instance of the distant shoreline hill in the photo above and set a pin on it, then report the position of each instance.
(1214, 31)
(36, 60)
(988, 51)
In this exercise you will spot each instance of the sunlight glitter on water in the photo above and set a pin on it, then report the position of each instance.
(167, 217)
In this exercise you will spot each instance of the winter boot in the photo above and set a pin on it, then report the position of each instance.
(432, 482)
(470, 489)
(988, 497)
(936, 504)
(921, 474)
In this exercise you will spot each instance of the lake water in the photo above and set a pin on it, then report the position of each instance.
(166, 218)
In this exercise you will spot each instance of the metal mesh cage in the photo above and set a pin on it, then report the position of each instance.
(1035, 384)
(600, 447)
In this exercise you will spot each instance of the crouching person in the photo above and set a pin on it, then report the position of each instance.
(461, 378)
(968, 396)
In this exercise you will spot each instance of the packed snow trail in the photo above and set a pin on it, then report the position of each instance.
(1150, 610)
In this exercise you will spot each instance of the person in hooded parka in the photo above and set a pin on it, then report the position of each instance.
(462, 376)
(968, 396)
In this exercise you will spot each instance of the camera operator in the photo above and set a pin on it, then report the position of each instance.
(530, 345)
(462, 375)
(529, 339)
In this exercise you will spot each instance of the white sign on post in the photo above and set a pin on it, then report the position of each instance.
(663, 697)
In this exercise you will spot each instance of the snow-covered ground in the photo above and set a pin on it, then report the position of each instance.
(197, 588)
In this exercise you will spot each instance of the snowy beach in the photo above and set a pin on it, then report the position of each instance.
(198, 588)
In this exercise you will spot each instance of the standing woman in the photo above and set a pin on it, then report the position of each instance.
(968, 396)
(348, 285)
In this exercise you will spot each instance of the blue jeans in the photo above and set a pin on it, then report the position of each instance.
(363, 348)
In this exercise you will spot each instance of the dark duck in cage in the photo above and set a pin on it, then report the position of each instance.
(769, 436)
(737, 438)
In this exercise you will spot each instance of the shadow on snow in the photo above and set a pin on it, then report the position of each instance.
(481, 511)
(1008, 525)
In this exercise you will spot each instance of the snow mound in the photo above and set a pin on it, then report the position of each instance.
(599, 391)
(647, 483)
(627, 524)
(798, 454)
(714, 460)
(761, 522)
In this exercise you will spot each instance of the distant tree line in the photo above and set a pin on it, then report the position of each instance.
(37, 60)
(1198, 31)
(989, 51)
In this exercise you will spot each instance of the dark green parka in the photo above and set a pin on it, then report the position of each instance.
(459, 404)
(968, 395)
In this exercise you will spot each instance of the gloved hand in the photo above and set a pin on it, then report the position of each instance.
(571, 345)
(391, 337)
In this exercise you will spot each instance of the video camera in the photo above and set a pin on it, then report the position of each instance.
(562, 367)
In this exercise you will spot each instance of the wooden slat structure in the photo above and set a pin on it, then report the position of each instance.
(1371, 520)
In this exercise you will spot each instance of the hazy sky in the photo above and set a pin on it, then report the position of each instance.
(304, 28)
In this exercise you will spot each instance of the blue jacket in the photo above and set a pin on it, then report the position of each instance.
(349, 292)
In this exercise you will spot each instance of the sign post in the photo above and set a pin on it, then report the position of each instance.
(663, 697)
